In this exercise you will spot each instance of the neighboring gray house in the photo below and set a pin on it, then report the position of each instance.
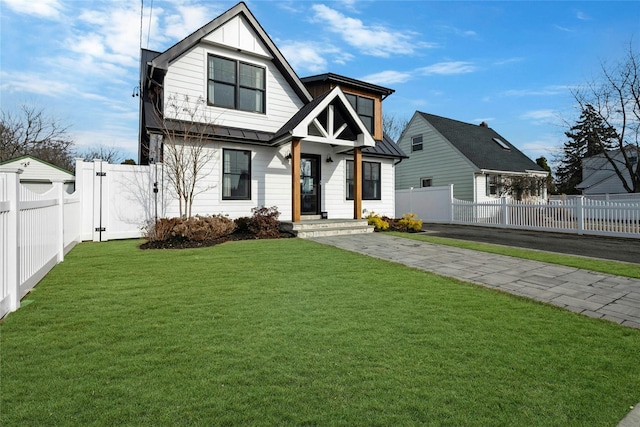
(479, 162)
(599, 177)
(39, 176)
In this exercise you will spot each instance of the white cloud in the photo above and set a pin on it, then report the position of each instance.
(447, 68)
(540, 114)
(387, 77)
(50, 9)
(374, 40)
(312, 56)
(187, 19)
(582, 16)
(545, 91)
(34, 83)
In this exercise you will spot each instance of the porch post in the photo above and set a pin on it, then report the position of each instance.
(295, 180)
(357, 183)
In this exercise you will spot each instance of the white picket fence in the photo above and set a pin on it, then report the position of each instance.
(579, 215)
(36, 231)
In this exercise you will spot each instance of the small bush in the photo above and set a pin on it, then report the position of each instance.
(410, 223)
(196, 229)
(242, 224)
(264, 223)
(379, 223)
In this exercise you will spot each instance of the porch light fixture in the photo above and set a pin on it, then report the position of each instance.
(288, 156)
(329, 159)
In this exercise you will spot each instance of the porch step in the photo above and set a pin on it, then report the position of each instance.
(326, 227)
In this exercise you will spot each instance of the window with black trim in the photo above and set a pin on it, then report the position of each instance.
(371, 182)
(235, 84)
(426, 182)
(364, 108)
(236, 174)
(416, 143)
(494, 185)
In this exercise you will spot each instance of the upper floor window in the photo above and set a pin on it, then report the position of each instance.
(364, 108)
(416, 143)
(371, 182)
(236, 175)
(235, 84)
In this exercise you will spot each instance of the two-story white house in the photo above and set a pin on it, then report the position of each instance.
(312, 147)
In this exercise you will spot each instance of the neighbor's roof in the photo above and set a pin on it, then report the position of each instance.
(477, 143)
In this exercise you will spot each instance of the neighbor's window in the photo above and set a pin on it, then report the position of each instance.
(364, 108)
(493, 185)
(236, 175)
(426, 182)
(416, 143)
(371, 182)
(235, 84)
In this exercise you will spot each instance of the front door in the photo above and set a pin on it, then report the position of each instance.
(309, 184)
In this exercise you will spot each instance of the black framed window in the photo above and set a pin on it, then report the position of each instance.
(236, 174)
(494, 184)
(364, 108)
(416, 143)
(426, 182)
(235, 84)
(371, 181)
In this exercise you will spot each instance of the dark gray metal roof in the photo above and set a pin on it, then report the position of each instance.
(476, 144)
(348, 81)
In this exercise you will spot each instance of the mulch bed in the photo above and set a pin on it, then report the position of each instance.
(181, 243)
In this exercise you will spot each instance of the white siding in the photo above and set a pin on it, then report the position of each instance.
(438, 160)
(187, 75)
(237, 34)
(271, 184)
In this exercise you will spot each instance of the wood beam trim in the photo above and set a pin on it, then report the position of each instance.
(357, 183)
(295, 180)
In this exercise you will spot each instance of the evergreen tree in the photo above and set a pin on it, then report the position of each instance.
(588, 137)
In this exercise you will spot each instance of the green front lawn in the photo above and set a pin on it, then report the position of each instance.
(290, 332)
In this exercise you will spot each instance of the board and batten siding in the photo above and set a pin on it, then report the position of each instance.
(437, 160)
(187, 76)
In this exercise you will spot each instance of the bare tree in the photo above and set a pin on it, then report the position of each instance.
(615, 97)
(393, 125)
(108, 154)
(33, 132)
(187, 151)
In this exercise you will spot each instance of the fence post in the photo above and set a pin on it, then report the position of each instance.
(580, 214)
(59, 186)
(505, 212)
(451, 217)
(13, 238)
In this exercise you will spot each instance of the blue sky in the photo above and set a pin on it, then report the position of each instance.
(509, 63)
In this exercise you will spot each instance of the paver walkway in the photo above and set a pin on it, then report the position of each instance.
(586, 292)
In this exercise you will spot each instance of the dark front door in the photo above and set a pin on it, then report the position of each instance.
(309, 184)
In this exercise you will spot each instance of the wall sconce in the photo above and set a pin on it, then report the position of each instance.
(329, 159)
(288, 156)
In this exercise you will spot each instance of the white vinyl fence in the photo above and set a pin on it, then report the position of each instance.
(36, 231)
(579, 215)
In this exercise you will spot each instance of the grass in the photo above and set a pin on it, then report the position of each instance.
(290, 332)
(599, 265)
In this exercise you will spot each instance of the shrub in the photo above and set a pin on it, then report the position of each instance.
(410, 223)
(379, 223)
(242, 224)
(197, 229)
(264, 223)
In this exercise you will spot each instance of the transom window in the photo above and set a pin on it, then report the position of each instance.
(416, 143)
(371, 183)
(236, 175)
(235, 84)
(364, 108)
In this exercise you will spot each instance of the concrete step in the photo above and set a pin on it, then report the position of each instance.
(317, 228)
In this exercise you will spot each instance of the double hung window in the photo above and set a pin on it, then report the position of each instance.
(364, 108)
(235, 84)
(371, 182)
(236, 175)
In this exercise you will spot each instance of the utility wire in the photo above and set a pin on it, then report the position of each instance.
(149, 30)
